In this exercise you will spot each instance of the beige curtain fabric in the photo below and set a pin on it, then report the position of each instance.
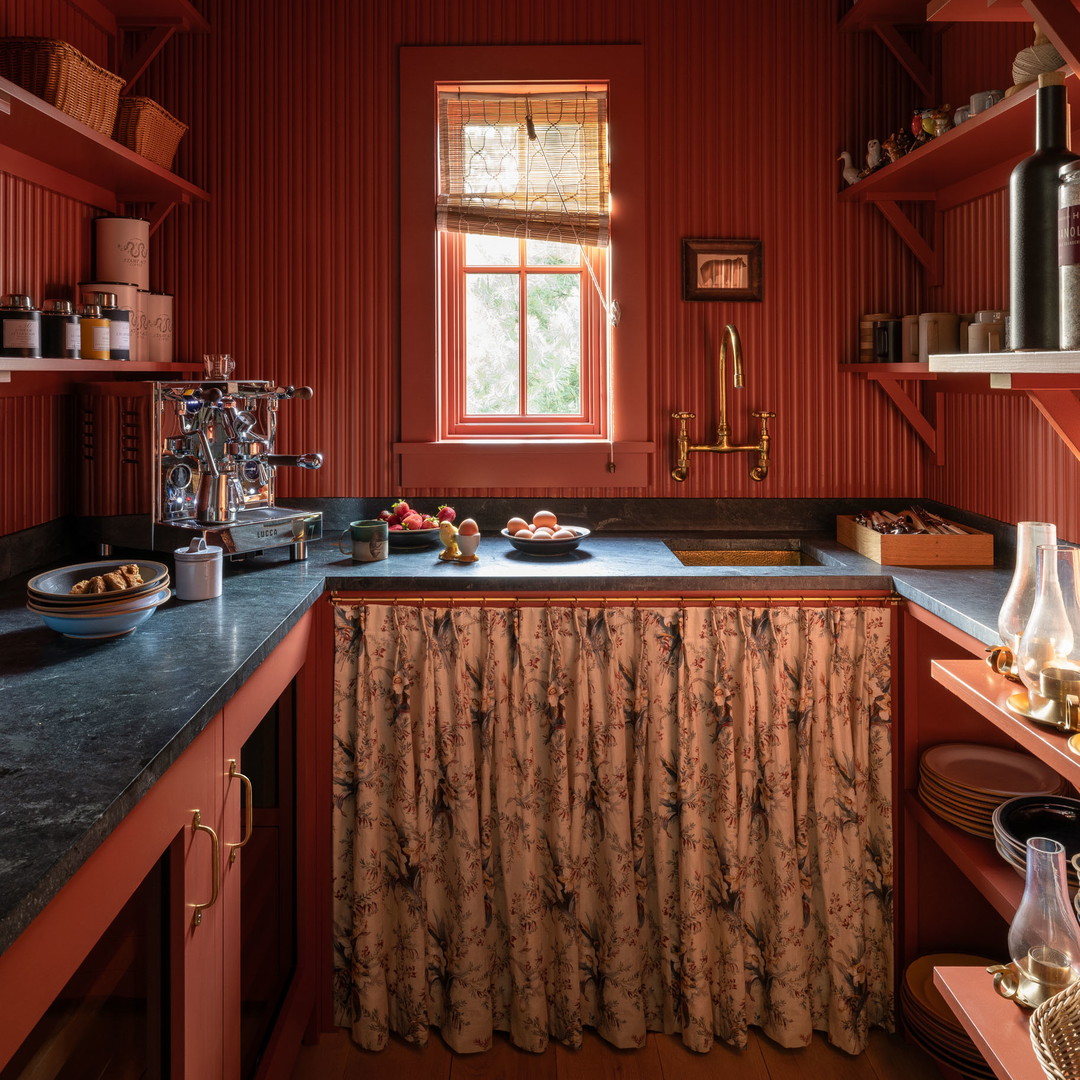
(674, 819)
(495, 179)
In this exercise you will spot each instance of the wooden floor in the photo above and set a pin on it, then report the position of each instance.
(663, 1058)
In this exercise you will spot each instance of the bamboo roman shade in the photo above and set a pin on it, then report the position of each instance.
(524, 165)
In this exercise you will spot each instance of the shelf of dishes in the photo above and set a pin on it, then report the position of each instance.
(974, 683)
(997, 1026)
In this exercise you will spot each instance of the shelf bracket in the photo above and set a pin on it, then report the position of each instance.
(929, 432)
(1062, 411)
(909, 60)
(928, 254)
(154, 43)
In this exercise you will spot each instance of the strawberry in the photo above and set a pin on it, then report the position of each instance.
(412, 520)
(395, 527)
(430, 522)
(446, 513)
(385, 515)
(401, 508)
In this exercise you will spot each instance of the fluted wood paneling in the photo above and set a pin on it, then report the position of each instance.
(293, 264)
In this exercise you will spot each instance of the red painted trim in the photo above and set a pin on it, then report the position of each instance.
(622, 67)
(947, 630)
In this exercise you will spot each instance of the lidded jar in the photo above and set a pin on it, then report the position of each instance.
(61, 337)
(20, 327)
(95, 333)
(119, 324)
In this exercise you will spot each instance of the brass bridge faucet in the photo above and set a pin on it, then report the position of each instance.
(723, 444)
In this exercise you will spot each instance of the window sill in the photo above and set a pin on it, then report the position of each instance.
(504, 463)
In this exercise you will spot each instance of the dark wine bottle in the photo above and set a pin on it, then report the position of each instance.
(1033, 242)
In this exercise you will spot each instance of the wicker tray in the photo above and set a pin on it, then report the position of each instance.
(144, 126)
(62, 76)
(1055, 1034)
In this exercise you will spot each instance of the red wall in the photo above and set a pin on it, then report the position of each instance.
(293, 265)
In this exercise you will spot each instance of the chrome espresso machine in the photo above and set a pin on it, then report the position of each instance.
(215, 468)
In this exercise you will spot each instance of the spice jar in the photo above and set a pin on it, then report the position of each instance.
(119, 325)
(61, 337)
(94, 328)
(20, 327)
(1069, 255)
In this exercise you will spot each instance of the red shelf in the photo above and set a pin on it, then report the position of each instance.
(109, 13)
(865, 14)
(976, 858)
(81, 367)
(46, 146)
(965, 162)
(998, 1027)
(976, 685)
(976, 11)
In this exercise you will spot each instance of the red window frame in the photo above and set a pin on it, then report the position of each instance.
(427, 457)
(591, 421)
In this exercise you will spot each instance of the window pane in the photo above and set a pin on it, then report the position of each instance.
(491, 344)
(490, 250)
(554, 345)
(551, 253)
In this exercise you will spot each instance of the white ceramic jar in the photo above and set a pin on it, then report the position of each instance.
(198, 571)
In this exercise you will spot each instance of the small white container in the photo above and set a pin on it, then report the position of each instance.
(198, 571)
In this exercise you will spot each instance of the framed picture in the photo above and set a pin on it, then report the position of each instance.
(721, 269)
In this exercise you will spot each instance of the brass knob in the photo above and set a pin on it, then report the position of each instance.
(764, 415)
(683, 416)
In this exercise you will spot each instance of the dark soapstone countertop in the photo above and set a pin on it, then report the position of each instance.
(87, 727)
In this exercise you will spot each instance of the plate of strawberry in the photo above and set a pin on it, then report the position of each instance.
(408, 527)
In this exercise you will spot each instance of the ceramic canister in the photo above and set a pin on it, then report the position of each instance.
(122, 250)
(159, 314)
(140, 325)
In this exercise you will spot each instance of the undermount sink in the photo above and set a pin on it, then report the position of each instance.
(740, 553)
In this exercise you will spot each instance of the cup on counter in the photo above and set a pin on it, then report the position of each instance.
(198, 571)
(939, 332)
(986, 337)
(365, 541)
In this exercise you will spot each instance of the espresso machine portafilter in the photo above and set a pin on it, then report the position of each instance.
(217, 466)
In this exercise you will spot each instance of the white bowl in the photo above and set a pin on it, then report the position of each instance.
(95, 625)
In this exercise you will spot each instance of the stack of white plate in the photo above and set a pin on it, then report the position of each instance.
(1057, 817)
(931, 1024)
(964, 783)
(97, 615)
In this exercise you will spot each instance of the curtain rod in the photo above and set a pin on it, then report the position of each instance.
(619, 599)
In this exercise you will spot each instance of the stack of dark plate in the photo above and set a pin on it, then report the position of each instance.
(1056, 817)
(930, 1022)
(964, 783)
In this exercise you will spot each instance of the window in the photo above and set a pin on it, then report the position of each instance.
(511, 371)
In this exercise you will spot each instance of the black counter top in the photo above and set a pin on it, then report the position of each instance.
(87, 727)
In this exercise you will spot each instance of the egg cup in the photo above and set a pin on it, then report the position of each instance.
(467, 545)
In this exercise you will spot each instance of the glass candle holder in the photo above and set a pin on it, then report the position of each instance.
(1048, 655)
(1019, 600)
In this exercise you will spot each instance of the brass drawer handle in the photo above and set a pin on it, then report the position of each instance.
(215, 859)
(235, 772)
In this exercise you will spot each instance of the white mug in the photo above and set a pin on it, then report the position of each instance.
(198, 571)
(986, 337)
(939, 332)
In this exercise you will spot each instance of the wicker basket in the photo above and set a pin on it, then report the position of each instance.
(1055, 1034)
(59, 73)
(144, 126)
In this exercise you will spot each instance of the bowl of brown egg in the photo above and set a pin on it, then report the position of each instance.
(543, 535)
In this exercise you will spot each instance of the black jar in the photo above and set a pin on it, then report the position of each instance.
(61, 338)
(20, 328)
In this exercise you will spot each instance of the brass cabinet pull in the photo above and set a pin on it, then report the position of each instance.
(215, 858)
(248, 818)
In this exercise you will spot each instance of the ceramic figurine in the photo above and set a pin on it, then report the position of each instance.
(874, 157)
(851, 174)
(1031, 62)
(448, 535)
(897, 145)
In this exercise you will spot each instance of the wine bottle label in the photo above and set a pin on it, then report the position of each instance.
(1069, 235)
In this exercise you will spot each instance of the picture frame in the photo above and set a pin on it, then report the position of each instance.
(721, 269)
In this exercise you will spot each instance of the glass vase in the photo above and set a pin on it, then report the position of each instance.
(1016, 608)
(1048, 656)
(1044, 939)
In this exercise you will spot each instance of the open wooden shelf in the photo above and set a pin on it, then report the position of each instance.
(46, 146)
(8, 367)
(866, 14)
(110, 13)
(976, 685)
(976, 11)
(976, 858)
(998, 1027)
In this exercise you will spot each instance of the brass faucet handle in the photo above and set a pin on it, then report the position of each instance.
(683, 416)
(764, 415)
